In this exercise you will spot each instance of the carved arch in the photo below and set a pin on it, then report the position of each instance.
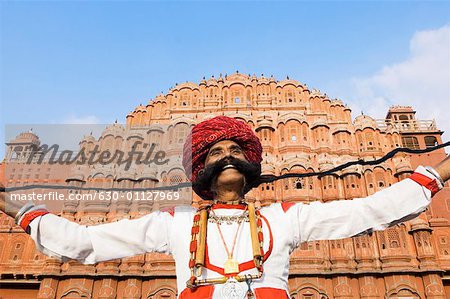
(80, 293)
(400, 291)
(164, 291)
(317, 292)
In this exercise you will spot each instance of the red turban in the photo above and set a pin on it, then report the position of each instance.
(207, 133)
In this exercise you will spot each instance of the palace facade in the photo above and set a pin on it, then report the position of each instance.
(301, 130)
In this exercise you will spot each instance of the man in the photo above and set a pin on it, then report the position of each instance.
(229, 249)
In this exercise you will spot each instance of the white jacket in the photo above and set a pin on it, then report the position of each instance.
(284, 228)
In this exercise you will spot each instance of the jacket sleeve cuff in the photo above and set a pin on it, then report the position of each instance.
(28, 217)
(426, 179)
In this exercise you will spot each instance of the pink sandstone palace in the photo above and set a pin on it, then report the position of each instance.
(301, 130)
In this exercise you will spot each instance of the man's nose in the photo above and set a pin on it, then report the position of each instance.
(227, 155)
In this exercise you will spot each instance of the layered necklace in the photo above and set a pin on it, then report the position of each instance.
(231, 266)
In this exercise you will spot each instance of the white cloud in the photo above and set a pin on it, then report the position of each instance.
(421, 81)
(81, 120)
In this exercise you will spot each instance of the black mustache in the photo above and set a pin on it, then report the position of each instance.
(251, 171)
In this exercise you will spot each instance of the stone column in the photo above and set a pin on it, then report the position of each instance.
(48, 287)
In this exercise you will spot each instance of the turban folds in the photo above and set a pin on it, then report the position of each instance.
(209, 132)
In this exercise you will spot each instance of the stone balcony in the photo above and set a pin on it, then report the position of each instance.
(406, 126)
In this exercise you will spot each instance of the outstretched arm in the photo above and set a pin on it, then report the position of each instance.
(443, 169)
(346, 218)
(58, 237)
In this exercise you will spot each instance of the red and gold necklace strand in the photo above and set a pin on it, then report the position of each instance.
(256, 234)
(198, 241)
(231, 265)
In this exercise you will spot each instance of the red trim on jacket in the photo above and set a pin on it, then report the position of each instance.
(242, 266)
(227, 206)
(170, 210)
(206, 292)
(203, 292)
(270, 293)
(430, 184)
(30, 216)
(287, 205)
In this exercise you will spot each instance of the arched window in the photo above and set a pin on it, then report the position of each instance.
(293, 129)
(430, 141)
(181, 130)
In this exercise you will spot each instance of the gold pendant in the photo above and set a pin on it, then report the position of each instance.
(231, 266)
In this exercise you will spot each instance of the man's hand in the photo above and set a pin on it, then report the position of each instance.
(443, 168)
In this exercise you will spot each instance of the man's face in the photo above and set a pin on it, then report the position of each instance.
(220, 150)
(226, 166)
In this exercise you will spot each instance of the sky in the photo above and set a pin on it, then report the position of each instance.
(95, 61)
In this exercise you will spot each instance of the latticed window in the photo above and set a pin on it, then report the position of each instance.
(425, 238)
(350, 182)
(176, 179)
(6, 221)
(328, 182)
(305, 131)
(290, 96)
(410, 142)
(266, 134)
(370, 140)
(380, 180)
(393, 238)
(360, 140)
(282, 128)
(444, 245)
(361, 241)
(17, 252)
(236, 97)
(108, 142)
(382, 240)
(306, 246)
(299, 183)
(292, 131)
(249, 96)
(182, 130)
(185, 100)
